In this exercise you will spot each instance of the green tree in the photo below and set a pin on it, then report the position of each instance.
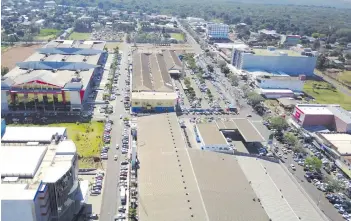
(4, 70)
(321, 61)
(254, 98)
(225, 70)
(290, 139)
(116, 50)
(210, 68)
(314, 163)
(315, 35)
(335, 185)
(278, 123)
(234, 79)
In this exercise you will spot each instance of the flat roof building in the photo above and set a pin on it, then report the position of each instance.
(39, 178)
(280, 82)
(273, 60)
(188, 185)
(55, 78)
(212, 139)
(340, 142)
(331, 116)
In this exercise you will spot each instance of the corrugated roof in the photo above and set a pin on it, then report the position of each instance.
(210, 134)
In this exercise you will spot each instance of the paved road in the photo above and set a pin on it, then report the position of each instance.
(190, 39)
(111, 198)
(316, 195)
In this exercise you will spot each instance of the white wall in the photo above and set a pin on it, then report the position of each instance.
(223, 148)
(75, 97)
(17, 210)
(281, 84)
(4, 104)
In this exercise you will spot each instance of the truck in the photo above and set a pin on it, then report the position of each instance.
(123, 195)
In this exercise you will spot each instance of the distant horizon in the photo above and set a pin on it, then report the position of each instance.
(319, 3)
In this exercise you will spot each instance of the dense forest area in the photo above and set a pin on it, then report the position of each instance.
(286, 19)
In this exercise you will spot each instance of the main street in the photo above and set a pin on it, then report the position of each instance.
(111, 198)
(309, 189)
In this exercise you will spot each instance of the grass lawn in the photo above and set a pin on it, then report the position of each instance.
(79, 36)
(345, 77)
(46, 34)
(4, 48)
(87, 137)
(112, 45)
(324, 93)
(177, 36)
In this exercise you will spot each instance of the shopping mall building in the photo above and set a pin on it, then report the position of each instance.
(56, 78)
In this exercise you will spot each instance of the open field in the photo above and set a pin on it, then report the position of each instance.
(177, 36)
(46, 34)
(324, 93)
(79, 36)
(112, 45)
(86, 136)
(11, 56)
(345, 77)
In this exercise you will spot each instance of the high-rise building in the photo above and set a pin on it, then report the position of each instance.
(217, 31)
(39, 175)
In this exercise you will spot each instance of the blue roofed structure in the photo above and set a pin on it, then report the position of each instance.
(51, 65)
(70, 51)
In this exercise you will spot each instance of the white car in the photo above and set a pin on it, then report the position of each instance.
(292, 167)
(117, 146)
(116, 157)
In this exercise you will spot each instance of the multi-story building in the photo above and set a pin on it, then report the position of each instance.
(273, 60)
(280, 82)
(217, 31)
(330, 116)
(58, 78)
(39, 175)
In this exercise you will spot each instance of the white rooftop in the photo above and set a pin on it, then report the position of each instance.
(18, 191)
(341, 141)
(314, 109)
(31, 134)
(21, 161)
(263, 91)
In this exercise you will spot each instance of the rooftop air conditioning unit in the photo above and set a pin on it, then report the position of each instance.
(46, 55)
(63, 59)
(42, 59)
(54, 70)
(85, 59)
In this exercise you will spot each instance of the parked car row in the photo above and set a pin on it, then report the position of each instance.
(97, 185)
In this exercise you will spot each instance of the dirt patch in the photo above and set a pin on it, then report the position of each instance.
(16, 54)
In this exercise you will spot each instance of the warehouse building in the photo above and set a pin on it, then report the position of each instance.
(188, 185)
(330, 116)
(340, 142)
(39, 175)
(152, 86)
(273, 60)
(56, 78)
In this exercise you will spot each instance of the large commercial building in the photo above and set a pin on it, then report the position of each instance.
(57, 77)
(217, 31)
(152, 86)
(39, 175)
(329, 116)
(284, 61)
(191, 184)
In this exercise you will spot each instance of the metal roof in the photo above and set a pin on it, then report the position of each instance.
(225, 191)
(150, 73)
(248, 131)
(70, 51)
(51, 65)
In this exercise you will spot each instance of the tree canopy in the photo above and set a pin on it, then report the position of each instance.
(313, 162)
(290, 139)
(278, 123)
